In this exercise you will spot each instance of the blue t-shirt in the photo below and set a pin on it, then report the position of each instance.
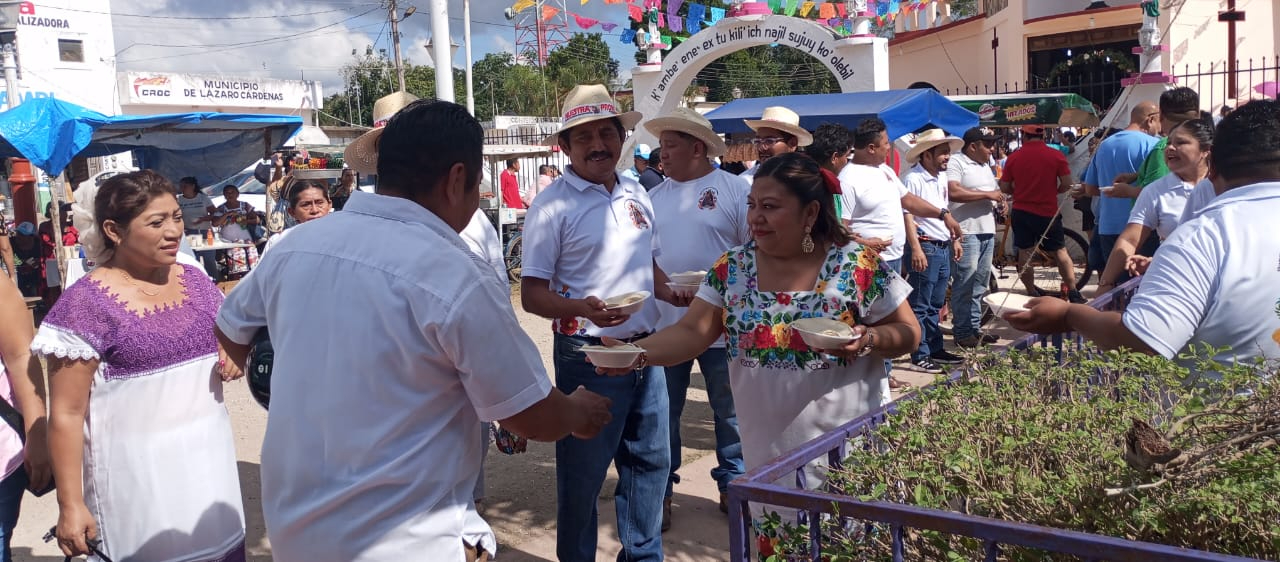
(1121, 153)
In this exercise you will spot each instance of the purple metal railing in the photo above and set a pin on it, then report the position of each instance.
(759, 485)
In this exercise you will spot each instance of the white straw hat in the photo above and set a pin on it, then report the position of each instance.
(691, 123)
(929, 139)
(587, 103)
(782, 119)
(362, 154)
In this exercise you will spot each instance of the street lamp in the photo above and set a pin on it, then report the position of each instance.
(453, 50)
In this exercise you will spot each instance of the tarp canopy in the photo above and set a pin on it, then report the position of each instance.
(903, 111)
(209, 146)
(1013, 110)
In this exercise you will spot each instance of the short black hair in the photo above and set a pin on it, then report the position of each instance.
(1247, 143)
(802, 176)
(512, 162)
(868, 131)
(829, 139)
(1180, 100)
(190, 180)
(655, 158)
(1200, 129)
(422, 142)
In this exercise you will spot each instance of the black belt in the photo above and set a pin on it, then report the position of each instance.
(592, 340)
(936, 242)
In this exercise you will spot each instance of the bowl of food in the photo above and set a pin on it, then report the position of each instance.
(1005, 302)
(683, 290)
(824, 333)
(627, 303)
(688, 277)
(612, 357)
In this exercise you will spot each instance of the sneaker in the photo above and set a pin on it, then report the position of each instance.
(946, 357)
(970, 342)
(666, 515)
(926, 365)
(1076, 298)
(989, 338)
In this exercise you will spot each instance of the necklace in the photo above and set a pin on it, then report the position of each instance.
(137, 286)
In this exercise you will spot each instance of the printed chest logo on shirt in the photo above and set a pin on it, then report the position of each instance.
(636, 214)
(707, 200)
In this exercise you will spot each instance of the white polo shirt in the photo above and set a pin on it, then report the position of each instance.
(1216, 281)
(482, 239)
(1160, 204)
(873, 205)
(589, 242)
(933, 189)
(388, 354)
(697, 222)
(1201, 195)
(975, 217)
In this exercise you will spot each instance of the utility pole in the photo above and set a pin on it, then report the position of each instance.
(10, 77)
(466, 40)
(441, 45)
(395, 41)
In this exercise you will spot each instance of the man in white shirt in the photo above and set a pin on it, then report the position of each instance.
(701, 213)
(384, 370)
(588, 237)
(931, 245)
(974, 195)
(778, 131)
(1215, 281)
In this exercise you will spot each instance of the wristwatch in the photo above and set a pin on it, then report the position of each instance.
(870, 345)
(943, 213)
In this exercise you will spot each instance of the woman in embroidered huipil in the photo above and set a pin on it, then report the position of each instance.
(801, 264)
(140, 438)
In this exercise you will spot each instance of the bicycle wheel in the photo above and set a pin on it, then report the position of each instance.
(1045, 268)
(513, 258)
(1078, 248)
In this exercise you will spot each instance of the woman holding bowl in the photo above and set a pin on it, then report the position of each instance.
(801, 264)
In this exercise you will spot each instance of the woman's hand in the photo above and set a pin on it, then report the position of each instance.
(75, 527)
(616, 372)
(1044, 315)
(1137, 265)
(225, 368)
(35, 455)
(864, 340)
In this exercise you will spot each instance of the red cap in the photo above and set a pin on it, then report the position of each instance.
(1037, 130)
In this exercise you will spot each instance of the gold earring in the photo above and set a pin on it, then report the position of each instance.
(806, 244)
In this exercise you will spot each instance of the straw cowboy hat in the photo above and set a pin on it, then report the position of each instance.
(362, 154)
(929, 139)
(587, 103)
(692, 123)
(784, 120)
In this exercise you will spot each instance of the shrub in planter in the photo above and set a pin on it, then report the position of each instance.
(1119, 444)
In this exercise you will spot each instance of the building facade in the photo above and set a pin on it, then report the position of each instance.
(66, 50)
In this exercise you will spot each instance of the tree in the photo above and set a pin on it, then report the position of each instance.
(369, 78)
(764, 71)
(584, 59)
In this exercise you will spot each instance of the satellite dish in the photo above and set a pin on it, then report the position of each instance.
(509, 14)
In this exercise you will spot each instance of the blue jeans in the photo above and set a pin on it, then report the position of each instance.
(1100, 250)
(714, 364)
(637, 441)
(896, 267)
(928, 294)
(11, 490)
(969, 278)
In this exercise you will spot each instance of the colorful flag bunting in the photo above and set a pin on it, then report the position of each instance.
(717, 14)
(628, 35)
(692, 25)
(697, 12)
(805, 8)
(608, 26)
(522, 5)
(775, 6)
(673, 7)
(841, 11)
(585, 22)
(635, 12)
(666, 41)
(675, 24)
(662, 20)
(549, 12)
(791, 7)
(827, 10)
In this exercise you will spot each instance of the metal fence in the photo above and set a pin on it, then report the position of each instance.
(1100, 87)
(525, 134)
(761, 485)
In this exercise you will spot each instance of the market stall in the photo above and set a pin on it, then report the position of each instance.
(1014, 110)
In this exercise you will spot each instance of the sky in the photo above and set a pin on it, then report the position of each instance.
(310, 40)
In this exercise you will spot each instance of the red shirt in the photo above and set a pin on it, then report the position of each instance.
(511, 191)
(1034, 170)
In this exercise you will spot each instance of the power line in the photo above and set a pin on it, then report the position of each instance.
(149, 16)
(234, 46)
(259, 41)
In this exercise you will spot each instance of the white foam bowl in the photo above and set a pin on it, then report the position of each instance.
(684, 289)
(616, 357)
(1005, 302)
(688, 277)
(824, 333)
(627, 303)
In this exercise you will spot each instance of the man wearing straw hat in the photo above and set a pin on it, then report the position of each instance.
(930, 244)
(375, 397)
(778, 131)
(702, 213)
(590, 236)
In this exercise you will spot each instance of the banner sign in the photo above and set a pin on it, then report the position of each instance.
(157, 88)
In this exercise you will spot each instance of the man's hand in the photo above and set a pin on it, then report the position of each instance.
(877, 244)
(594, 310)
(1125, 178)
(592, 411)
(1044, 315)
(957, 250)
(919, 262)
(665, 294)
(1123, 191)
(953, 226)
(1137, 265)
(997, 196)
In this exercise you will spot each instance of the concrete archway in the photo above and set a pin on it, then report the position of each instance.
(859, 63)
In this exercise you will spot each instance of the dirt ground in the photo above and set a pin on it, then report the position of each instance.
(520, 489)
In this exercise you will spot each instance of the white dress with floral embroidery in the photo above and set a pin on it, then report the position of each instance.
(785, 393)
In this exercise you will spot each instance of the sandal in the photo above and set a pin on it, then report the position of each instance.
(899, 385)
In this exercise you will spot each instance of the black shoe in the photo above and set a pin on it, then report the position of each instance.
(666, 515)
(988, 338)
(970, 342)
(1038, 292)
(926, 365)
(946, 357)
(1076, 298)
(724, 503)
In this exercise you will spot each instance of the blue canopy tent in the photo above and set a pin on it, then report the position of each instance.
(903, 111)
(209, 146)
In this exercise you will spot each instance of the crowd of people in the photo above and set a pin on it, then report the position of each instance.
(818, 227)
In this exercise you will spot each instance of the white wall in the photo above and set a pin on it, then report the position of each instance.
(90, 83)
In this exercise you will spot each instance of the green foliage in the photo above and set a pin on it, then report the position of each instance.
(766, 71)
(1030, 440)
(369, 78)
